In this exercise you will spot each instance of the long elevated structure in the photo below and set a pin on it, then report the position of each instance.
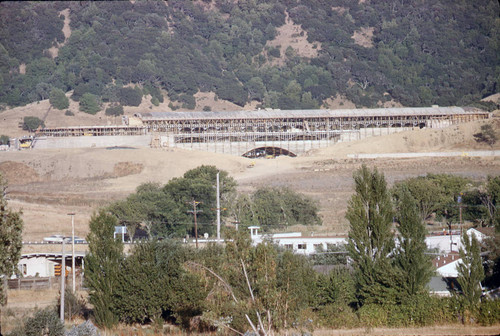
(275, 132)
(288, 132)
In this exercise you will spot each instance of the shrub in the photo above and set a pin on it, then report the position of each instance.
(58, 99)
(130, 96)
(188, 101)
(486, 135)
(69, 113)
(418, 311)
(155, 101)
(4, 139)
(44, 322)
(489, 312)
(90, 103)
(275, 52)
(115, 110)
(31, 123)
(73, 305)
(337, 316)
(373, 315)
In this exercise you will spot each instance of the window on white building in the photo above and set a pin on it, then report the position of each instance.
(302, 246)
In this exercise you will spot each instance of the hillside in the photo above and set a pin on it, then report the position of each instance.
(217, 54)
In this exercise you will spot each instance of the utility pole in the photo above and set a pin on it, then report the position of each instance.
(218, 210)
(194, 212)
(72, 214)
(459, 200)
(63, 279)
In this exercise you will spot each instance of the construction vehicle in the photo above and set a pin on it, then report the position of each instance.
(26, 142)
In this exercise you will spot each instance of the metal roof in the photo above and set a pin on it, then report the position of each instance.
(272, 113)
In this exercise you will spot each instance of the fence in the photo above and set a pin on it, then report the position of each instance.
(31, 283)
(42, 283)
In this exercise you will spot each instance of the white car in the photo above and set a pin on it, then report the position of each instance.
(78, 240)
(54, 239)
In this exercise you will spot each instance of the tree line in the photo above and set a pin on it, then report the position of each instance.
(424, 53)
(239, 287)
(166, 211)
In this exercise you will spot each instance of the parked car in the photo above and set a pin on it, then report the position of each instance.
(78, 240)
(54, 239)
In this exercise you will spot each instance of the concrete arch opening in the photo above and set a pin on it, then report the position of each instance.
(263, 152)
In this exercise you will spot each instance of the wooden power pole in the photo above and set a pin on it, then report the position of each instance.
(194, 212)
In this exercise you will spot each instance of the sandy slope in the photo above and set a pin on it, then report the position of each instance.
(47, 184)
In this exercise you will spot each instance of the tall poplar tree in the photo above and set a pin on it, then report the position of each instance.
(11, 228)
(470, 271)
(371, 241)
(415, 266)
(102, 267)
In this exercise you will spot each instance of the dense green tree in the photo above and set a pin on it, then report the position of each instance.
(143, 287)
(31, 123)
(414, 265)
(58, 99)
(470, 272)
(11, 227)
(130, 96)
(89, 103)
(198, 184)
(256, 89)
(164, 211)
(434, 193)
(491, 201)
(371, 241)
(153, 210)
(114, 110)
(102, 267)
(336, 288)
(275, 207)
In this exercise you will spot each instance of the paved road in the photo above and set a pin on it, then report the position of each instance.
(429, 154)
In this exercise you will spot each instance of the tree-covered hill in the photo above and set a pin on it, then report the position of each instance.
(415, 52)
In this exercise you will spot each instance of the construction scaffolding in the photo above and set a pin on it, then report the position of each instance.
(268, 131)
(92, 131)
(297, 125)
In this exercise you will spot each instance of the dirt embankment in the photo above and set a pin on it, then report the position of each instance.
(48, 184)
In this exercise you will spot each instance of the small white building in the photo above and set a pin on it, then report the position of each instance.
(308, 245)
(296, 242)
(445, 242)
(44, 264)
(481, 233)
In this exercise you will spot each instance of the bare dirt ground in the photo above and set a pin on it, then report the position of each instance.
(48, 184)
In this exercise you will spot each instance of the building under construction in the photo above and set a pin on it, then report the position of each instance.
(269, 131)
